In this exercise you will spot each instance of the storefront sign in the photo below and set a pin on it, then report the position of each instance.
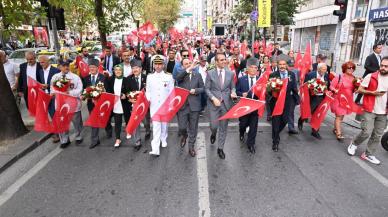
(379, 14)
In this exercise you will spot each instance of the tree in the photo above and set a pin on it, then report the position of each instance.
(162, 13)
(12, 125)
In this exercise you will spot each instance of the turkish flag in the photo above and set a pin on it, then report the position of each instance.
(256, 47)
(320, 113)
(33, 88)
(305, 109)
(42, 122)
(146, 32)
(243, 107)
(139, 111)
(83, 68)
(259, 89)
(279, 106)
(306, 63)
(243, 50)
(171, 105)
(298, 61)
(269, 49)
(346, 101)
(66, 106)
(100, 114)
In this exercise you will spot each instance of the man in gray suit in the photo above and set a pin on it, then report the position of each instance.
(220, 89)
(188, 115)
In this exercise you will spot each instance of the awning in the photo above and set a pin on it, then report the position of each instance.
(316, 17)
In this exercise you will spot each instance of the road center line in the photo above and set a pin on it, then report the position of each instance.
(202, 175)
(371, 171)
(11, 190)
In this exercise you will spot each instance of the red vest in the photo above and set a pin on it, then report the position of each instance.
(369, 100)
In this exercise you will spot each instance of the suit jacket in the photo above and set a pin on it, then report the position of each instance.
(371, 64)
(22, 82)
(109, 87)
(243, 87)
(193, 100)
(292, 90)
(87, 82)
(133, 85)
(53, 71)
(213, 88)
(116, 61)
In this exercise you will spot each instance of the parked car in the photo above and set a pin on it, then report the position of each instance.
(18, 56)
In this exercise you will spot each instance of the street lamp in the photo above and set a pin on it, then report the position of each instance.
(137, 20)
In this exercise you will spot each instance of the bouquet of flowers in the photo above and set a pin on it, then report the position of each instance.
(210, 67)
(93, 92)
(274, 85)
(316, 86)
(133, 94)
(357, 82)
(61, 84)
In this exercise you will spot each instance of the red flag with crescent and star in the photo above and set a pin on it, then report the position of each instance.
(139, 111)
(259, 89)
(320, 113)
(100, 114)
(298, 61)
(346, 101)
(83, 68)
(33, 87)
(306, 63)
(305, 109)
(66, 106)
(171, 105)
(243, 107)
(42, 121)
(146, 32)
(279, 106)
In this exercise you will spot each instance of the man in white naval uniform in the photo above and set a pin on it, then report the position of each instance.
(75, 90)
(158, 87)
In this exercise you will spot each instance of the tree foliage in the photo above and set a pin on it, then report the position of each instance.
(285, 10)
(162, 13)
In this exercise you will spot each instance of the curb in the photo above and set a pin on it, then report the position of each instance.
(23, 153)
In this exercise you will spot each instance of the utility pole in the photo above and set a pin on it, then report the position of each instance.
(54, 30)
(254, 23)
(275, 20)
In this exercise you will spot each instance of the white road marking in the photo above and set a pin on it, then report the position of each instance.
(202, 175)
(371, 171)
(11, 190)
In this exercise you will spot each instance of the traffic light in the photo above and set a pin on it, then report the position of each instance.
(53, 12)
(341, 13)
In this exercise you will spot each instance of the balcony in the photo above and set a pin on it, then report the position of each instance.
(361, 11)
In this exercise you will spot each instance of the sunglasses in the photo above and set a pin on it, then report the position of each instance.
(185, 55)
(352, 68)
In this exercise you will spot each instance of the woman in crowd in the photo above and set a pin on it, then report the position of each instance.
(344, 81)
(291, 61)
(119, 86)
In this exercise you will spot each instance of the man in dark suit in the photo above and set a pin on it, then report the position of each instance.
(320, 58)
(44, 76)
(243, 89)
(315, 100)
(372, 64)
(30, 68)
(292, 96)
(220, 89)
(92, 80)
(188, 115)
(110, 60)
(137, 81)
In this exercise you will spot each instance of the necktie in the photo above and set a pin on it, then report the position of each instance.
(220, 77)
(107, 63)
(63, 76)
(137, 82)
(251, 83)
(93, 80)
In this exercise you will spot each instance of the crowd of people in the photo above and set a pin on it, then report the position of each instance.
(216, 72)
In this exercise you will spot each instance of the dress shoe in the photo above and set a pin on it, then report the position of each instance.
(221, 153)
(316, 134)
(137, 147)
(252, 149)
(147, 135)
(94, 145)
(64, 145)
(79, 141)
(213, 138)
(241, 137)
(192, 152)
(183, 141)
(300, 124)
(55, 138)
(275, 147)
(293, 131)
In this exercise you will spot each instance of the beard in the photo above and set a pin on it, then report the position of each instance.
(384, 72)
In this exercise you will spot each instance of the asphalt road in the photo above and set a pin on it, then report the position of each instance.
(306, 177)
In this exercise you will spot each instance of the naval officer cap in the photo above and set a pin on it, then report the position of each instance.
(158, 59)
